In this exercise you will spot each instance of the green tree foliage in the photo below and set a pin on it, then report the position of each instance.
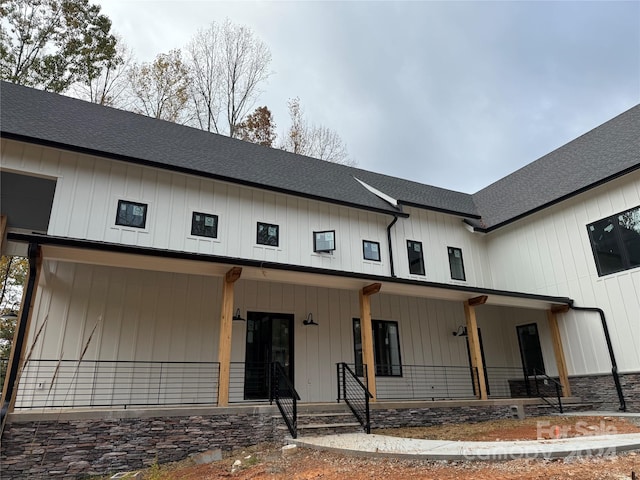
(258, 127)
(51, 44)
(13, 274)
(161, 89)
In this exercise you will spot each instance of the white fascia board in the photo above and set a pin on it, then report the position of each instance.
(378, 193)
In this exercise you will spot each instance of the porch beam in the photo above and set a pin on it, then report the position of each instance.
(561, 363)
(224, 345)
(474, 349)
(366, 331)
(475, 301)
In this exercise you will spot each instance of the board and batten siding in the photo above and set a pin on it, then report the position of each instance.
(550, 253)
(89, 187)
(156, 316)
(437, 231)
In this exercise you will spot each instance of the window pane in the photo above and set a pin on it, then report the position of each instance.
(606, 248)
(629, 228)
(204, 225)
(371, 250)
(267, 234)
(386, 348)
(456, 264)
(131, 214)
(416, 260)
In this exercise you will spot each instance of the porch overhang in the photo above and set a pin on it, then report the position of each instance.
(146, 258)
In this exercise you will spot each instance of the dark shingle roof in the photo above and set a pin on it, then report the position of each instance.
(70, 123)
(42, 117)
(605, 152)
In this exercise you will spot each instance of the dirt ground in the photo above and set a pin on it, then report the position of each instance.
(267, 461)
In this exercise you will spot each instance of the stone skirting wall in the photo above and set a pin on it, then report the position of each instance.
(600, 391)
(420, 417)
(78, 445)
(84, 447)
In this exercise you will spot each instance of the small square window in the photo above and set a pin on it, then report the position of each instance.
(131, 214)
(456, 264)
(204, 225)
(416, 260)
(324, 241)
(267, 234)
(371, 250)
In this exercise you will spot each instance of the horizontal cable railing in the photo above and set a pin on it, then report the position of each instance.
(355, 393)
(426, 382)
(249, 382)
(104, 383)
(284, 394)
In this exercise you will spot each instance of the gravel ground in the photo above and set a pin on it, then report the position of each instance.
(267, 461)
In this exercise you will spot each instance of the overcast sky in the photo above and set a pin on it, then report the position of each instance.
(452, 94)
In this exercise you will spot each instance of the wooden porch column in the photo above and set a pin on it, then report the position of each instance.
(224, 347)
(3, 232)
(20, 336)
(558, 350)
(474, 345)
(366, 330)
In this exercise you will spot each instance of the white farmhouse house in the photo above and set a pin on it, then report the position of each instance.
(179, 274)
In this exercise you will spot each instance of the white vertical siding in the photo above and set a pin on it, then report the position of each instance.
(438, 231)
(549, 253)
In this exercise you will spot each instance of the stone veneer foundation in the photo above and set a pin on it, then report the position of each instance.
(78, 444)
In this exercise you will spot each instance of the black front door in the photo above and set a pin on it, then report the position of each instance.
(530, 350)
(269, 339)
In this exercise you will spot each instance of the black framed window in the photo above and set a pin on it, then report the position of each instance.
(456, 264)
(615, 242)
(371, 250)
(131, 214)
(324, 241)
(268, 234)
(416, 259)
(386, 348)
(204, 225)
(530, 350)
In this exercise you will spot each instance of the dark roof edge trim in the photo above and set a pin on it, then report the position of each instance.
(114, 247)
(173, 168)
(440, 210)
(621, 173)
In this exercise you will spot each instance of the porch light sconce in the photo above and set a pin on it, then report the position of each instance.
(309, 320)
(461, 332)
(237, 316)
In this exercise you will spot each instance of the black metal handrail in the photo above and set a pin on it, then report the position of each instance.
(285, 396)
(355, 394)
(109, 383)
(546, 379)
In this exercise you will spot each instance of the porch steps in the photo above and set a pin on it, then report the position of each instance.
(326, 420)
(567, 407)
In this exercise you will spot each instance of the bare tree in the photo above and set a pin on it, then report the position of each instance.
(313, 140)
(161, 89)
(228, 63)
(109, 87)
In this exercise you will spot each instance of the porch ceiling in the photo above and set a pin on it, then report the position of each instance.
(315, 279)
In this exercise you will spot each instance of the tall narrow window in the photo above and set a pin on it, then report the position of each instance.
(386, 348)
(268, 234)
(456, 265)
(371, 250)
(416, 260)
(530, 350)
(204, 225)
(131, 214)
(615, 242)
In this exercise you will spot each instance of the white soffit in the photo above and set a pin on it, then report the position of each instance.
(378, 193)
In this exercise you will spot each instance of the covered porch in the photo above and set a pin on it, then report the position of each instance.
(117, 328)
